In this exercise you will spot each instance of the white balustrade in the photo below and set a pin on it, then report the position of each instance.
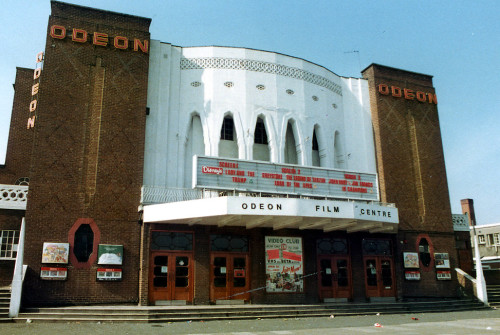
(13, 196)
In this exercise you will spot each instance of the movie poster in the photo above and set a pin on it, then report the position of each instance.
(442, 260)
(284, 266)
(110, 254)
(410, 260)
(55, 253)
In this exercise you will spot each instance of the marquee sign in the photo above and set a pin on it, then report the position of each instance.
(264, 206)
(255, 176)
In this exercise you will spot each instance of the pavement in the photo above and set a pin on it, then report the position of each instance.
(469, 322)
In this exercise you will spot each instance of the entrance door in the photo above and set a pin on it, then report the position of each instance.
(335, 277)
(171, 276)
(229, 277)
(379, 276)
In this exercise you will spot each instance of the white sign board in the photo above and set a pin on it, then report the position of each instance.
(269, 207)
(255, 176)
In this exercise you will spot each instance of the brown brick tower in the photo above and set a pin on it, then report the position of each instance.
(88, 152)
(412, 173)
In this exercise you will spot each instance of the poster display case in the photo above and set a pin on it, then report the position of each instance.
(109, 274)
(53, 273)
(55, 253)
(109, 254)
(284, 264)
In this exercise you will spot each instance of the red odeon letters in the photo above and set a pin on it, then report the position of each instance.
(34, 90)
(407, 93)
(101, 39)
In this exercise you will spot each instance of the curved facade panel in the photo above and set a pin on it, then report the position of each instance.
(216, 82)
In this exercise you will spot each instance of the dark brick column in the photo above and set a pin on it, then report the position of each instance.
(89, 148)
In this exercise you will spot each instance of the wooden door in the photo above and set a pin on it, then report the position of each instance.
(335, 280)
(379, 276)
(229, 276)
(171, 276)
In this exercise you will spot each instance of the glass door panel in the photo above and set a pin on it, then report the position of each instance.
(160, 271)
(371, 272)
(220, 272)
(181, 271)
(326, 272)
(239, 272)
(342, 273)
(386, 274)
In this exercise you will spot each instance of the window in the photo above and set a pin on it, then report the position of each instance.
(496, 238)
(9, 240)
(424, 251)
(227, 131)
(490, 239)
(376, 247)
(84, 243)
(315, 141)
(260, 136)
(163, 240)
(24, 181)
(481, 239)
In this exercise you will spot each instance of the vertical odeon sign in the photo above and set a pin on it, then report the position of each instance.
(34, 90)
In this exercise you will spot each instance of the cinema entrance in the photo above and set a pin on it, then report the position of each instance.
(229, 268)
(379, 268)
(171, 270)
(334, 270)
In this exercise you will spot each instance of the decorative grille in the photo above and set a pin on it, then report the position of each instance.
(259, 66)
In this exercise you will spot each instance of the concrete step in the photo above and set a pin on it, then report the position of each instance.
(205, 313)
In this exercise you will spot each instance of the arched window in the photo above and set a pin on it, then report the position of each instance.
(260, 136)
(290, 146)
(260, 146)
(228, 146)
(227, 130)
(24, 181)
(315, 150)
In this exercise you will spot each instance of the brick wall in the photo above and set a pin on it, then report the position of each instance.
(409, 151)
(18, 157)
(88, 153)
(411, 171)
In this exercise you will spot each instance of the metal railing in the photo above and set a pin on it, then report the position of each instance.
(160, 194)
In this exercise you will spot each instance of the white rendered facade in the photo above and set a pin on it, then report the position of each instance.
(191, 90)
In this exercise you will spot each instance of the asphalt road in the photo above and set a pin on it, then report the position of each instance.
(471, 322)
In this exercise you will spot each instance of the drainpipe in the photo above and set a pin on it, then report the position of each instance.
(482, 295)
(17, 280)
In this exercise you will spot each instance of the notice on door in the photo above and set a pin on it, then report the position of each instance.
(284, 266)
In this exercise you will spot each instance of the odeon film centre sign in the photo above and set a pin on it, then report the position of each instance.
(327, 199)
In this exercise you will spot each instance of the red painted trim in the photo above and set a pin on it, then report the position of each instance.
(71, 238)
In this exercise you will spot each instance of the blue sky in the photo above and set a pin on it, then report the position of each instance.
(458, 42)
